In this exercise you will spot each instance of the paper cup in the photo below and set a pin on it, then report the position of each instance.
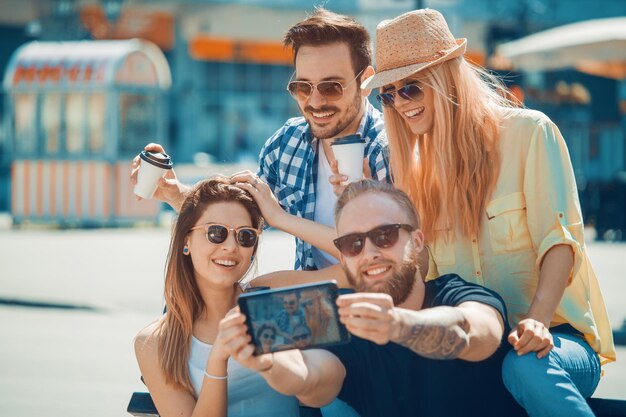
(348, 152)
(153, 166)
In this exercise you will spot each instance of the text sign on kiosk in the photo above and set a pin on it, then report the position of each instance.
(348, 152)
(153, 166)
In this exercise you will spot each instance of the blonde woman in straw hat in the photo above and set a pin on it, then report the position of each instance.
(496, 192)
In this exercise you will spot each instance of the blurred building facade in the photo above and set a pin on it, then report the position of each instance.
(229, 72)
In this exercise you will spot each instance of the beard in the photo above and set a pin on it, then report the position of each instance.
(327, 132)
(399, 285)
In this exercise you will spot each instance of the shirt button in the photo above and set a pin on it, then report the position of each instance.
(473, 240)
(477, 272)
(561, 215)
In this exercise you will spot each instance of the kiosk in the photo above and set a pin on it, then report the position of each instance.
(77, 114)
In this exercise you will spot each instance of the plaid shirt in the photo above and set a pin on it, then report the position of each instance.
(288, 163)
(284, 320)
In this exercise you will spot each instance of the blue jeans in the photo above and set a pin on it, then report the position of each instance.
(556, 384)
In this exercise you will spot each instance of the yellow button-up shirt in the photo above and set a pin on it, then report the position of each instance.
(534, 207)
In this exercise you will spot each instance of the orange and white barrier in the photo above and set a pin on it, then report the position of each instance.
(76, 191)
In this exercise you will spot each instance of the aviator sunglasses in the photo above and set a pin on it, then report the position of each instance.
(218, 233)
(330, 90)
(382, 237)
(408, 92)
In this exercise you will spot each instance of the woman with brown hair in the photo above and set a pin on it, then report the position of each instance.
(185, 356)
(494, 187)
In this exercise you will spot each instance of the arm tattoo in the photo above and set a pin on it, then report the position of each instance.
(435, 333)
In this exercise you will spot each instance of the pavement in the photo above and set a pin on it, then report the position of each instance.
(72, 301)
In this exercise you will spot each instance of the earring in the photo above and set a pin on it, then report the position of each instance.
(186, 250)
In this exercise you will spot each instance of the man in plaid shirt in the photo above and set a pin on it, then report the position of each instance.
(332, 57)
(289, 163)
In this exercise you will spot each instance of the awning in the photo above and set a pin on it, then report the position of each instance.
(87, 64)
(594, 46)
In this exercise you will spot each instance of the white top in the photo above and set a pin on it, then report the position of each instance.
(325, 201)
(248, 393)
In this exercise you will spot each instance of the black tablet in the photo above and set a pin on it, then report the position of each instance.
(297, 317)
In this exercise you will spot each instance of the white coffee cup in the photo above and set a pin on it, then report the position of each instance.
(348, 152)
(153, 166)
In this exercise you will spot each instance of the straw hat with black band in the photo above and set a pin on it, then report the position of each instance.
(410, 43)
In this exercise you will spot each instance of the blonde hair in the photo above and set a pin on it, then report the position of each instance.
(450, 173)
(365, 186)
(182, 296)
(318, 317)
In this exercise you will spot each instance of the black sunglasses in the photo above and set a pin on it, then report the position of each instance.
(268, 336)
(330, 90)
(300, 336)
(218, 233)
(412, 92)
(382, 237)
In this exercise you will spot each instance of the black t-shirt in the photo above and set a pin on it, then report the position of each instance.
(392, 380)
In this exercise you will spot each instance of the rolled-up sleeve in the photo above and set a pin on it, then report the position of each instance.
(553, 209)
(267, 159)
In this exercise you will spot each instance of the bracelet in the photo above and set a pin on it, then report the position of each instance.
(221, 378)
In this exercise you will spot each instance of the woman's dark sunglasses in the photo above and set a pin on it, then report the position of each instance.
(408, 92)
(300, 337)
(218, 233)
(268, 336)
(382, 237)
(330, 90)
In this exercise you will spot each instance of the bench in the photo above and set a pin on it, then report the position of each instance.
(141, 405)
(603, 407)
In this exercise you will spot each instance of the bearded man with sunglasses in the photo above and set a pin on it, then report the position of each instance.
(332, 56)
(434, 348)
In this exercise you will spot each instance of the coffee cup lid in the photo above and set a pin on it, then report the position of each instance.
(348, 140)
(158, 159)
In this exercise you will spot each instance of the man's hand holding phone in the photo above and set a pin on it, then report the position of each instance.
(370, 316)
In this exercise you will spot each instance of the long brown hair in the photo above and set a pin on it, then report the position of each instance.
(182, 296)
(451, 172)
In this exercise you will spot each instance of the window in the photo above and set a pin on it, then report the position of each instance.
(75, 115)
(137, 122)
(51, 108)
(25, 123)
(95, 133)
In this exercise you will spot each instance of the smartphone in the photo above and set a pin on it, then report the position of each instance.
(297, 317)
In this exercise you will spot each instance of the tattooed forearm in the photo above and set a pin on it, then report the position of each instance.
(436, 333)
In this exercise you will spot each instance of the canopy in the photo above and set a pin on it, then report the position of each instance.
(593, 46)
(53, 65)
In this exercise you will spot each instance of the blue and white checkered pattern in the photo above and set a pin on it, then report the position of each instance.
(288, 163)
